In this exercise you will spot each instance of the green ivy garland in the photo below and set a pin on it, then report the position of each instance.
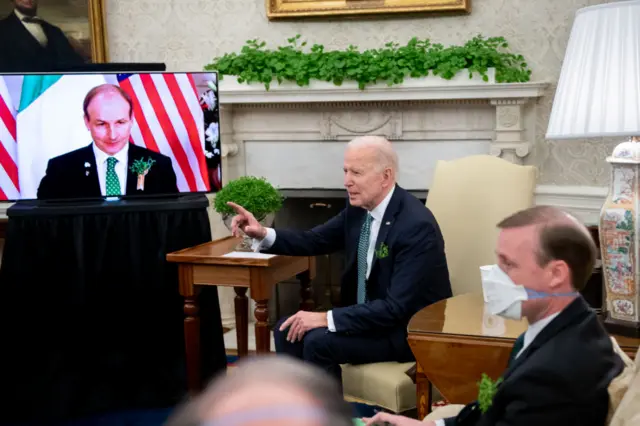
(391, 64)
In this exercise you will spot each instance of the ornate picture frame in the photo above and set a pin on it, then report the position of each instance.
(282, 9)
(72, 25)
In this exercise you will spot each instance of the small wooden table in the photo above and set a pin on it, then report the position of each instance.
(206, 264)
(455, 341)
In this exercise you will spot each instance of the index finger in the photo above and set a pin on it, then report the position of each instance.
(238, 208)
(288, 322)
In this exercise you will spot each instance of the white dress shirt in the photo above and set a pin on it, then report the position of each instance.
(376, 220)
(34, 28)
(532, 331)
(120, 168)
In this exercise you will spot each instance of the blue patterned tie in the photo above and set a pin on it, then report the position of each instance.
(363, 248)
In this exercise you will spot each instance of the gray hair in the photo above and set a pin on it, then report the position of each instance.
(387, 156)
(275, 370)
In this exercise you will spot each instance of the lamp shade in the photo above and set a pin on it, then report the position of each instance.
(598, 92)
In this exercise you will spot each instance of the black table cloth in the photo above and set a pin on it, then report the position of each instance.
(91, 319)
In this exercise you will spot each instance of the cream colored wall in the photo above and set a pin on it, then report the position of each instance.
(187, 34)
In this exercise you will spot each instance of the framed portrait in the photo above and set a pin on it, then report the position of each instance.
(51, 35)
(279, 9)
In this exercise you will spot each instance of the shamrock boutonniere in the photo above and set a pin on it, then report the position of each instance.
(141, 167)
(383, 251)
(487, 389)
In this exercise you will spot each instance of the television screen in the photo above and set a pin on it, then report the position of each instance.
(95, 135)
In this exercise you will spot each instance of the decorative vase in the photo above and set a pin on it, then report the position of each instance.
(245, 243)
(619, 231)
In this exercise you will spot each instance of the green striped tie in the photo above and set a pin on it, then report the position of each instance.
(113, 183)
(363, 248)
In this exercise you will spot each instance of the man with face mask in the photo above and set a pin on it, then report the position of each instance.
(395, 265)
(562, 365)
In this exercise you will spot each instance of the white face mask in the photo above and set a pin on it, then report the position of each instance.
(503, 297)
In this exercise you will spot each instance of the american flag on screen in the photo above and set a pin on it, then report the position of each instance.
(169, 120)
(9, 186)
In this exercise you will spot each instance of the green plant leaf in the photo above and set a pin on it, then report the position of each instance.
(255, 194)
(391, 63)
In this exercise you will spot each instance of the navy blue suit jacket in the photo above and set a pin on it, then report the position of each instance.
(560, 379)
(413, 275)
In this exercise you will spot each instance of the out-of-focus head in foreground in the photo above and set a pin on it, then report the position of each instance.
(268, 391)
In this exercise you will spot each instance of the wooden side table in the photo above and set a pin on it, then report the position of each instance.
(211, 264)
(455, 341)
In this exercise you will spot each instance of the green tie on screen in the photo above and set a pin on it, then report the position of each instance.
(363, 248)
(113, 183)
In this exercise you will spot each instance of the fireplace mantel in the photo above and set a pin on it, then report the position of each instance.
(430, 118)
(234, 93)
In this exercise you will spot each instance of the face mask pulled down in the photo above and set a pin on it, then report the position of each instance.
(503, 297)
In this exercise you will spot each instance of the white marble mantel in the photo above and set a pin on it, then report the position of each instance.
(295, 135)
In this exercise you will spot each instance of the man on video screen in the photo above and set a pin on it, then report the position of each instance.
(111, 166)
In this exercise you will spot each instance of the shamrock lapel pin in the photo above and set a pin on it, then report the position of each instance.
(141, 169)
(383, 251)
(487, 389)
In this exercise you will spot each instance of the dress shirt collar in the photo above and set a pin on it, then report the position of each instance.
(378, 212)
(21, 15)
(101, 156)
(535, 329)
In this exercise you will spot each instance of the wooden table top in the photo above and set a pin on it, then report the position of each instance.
(464, 315)
(213, 253)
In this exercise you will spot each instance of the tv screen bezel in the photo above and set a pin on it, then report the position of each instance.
(125, 197)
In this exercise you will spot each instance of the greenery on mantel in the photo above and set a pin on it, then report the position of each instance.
(391, 64)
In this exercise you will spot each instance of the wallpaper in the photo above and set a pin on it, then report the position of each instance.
(187, 34)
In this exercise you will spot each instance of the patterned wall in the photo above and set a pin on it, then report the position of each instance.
(187, 34)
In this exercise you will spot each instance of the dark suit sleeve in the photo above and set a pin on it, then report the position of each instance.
(323, 239)
(417, 253)
(66, 54)
(451, 421)
(46, 187)
(170, 181)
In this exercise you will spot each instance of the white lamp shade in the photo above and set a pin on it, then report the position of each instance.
(598, 92)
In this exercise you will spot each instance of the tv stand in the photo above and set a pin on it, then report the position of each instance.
(67, 207)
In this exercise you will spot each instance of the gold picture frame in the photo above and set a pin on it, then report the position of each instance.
(98, 25)
(73, 29)
(280, 9)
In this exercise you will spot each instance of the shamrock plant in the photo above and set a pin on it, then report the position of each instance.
(255, 63)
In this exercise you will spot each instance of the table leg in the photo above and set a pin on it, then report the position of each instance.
(191, 328)
(263, 336)
(242, 320)
(306, 294)
(423, 393)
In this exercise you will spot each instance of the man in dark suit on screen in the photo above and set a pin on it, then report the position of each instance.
(30, 44)
(111, 166)
(561, 367)
(395, 265)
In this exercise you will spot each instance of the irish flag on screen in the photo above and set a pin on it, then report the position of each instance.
(50, 122)
(168, 119)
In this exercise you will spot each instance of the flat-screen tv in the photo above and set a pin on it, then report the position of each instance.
(71, 136)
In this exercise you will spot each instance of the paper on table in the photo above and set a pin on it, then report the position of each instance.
(248, 255)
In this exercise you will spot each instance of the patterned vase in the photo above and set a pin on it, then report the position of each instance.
(619, 227)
